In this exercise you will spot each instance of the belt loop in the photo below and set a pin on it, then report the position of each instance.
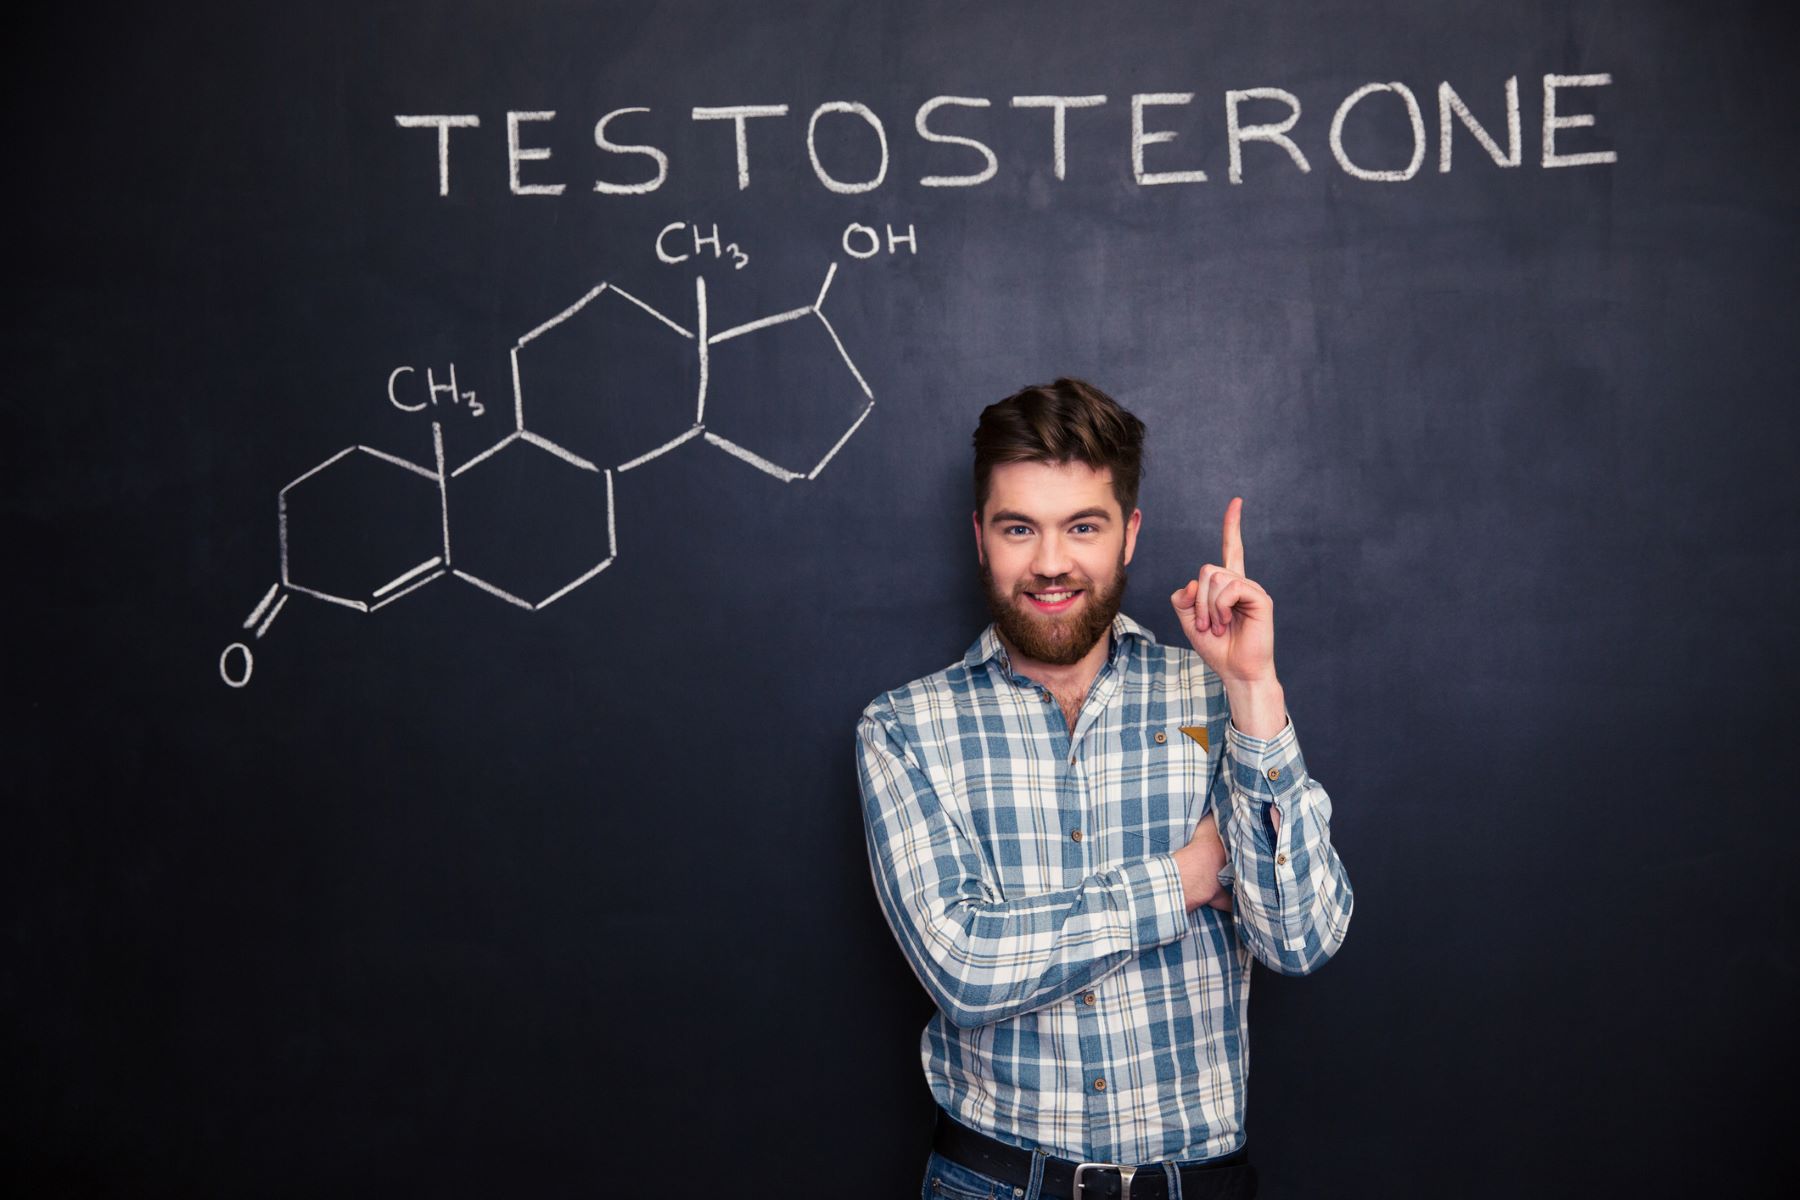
(1174, 1178)
(1035, 1188)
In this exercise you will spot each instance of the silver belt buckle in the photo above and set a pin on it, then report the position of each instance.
(1125, 1177)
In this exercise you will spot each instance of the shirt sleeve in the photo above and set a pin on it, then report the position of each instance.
(980, 957)
(1292, 898)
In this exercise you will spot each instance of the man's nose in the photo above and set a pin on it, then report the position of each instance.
(1051, 557)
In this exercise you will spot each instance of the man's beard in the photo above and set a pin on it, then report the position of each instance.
(1059, 640)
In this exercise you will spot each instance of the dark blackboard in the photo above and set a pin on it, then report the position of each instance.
(474, 897)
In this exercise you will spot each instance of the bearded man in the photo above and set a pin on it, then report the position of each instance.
(1081, 838)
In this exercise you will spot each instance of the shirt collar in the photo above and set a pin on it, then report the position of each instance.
(989, 646)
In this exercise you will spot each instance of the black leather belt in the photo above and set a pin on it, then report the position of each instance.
(1228, 1178)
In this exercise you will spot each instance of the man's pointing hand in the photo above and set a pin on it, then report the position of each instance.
(1228, 618)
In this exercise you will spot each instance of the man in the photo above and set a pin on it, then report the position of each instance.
(1053, 827)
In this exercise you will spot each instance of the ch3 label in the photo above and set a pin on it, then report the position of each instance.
(435, 395)
(668, 245)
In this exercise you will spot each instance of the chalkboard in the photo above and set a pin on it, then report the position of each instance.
(472, 462)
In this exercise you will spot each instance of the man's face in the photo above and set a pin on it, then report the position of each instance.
(1053, 545)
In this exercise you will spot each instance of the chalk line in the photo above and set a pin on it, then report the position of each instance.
(867, 409)
(437, 442)
(317, 469)
(407, 591)
(612, 529)
(667, 446)
(763, 323)
(700, 307)
(544, 443)
(489, 452)
(485, 586)
(569, 587)
(518, 393)
(257, 612)
(754, 459)
(395, 582)
(672, 325)
(358, 605)
(273, 613)
(384, 456)
(836, 341)
(564, 315)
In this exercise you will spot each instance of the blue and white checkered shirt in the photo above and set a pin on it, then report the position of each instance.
(1027, 877)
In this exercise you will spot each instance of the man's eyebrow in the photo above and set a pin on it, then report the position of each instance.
(1008, 516)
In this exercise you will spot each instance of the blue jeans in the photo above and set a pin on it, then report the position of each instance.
(946, 1180)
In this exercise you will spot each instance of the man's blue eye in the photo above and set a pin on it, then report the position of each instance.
(1084, 528)
(1018, 529)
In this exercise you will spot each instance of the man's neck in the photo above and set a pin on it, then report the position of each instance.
(1071, 681)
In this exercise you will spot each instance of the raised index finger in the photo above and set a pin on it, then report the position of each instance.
(1232, 551)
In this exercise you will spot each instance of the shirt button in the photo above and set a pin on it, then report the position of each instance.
(1099, 1085)
(1161, 737)
(1281, 860)
(1075, 834)
(1088, 999)
(1274, 774)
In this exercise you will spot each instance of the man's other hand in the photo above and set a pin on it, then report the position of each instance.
(1200, 862)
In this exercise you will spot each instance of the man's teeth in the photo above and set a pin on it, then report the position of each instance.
(1051, 597)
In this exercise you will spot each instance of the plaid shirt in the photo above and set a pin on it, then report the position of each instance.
(1027, 877)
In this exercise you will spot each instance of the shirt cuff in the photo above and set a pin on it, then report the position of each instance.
(1154, 900)
(1265, 768)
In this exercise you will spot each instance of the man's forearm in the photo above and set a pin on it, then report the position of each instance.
(1292, 894)
(983, 961)
(1260, 710)
(1258, 707)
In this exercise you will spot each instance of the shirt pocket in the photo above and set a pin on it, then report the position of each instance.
(1195, 749)
(1160, 792)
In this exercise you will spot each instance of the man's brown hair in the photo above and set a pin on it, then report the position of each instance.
(1062, 422)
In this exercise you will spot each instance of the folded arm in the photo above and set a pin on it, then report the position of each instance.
(983, 958)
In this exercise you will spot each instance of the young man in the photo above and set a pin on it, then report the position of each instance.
(1053, 826)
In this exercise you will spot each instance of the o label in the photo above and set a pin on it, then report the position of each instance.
(247, 660)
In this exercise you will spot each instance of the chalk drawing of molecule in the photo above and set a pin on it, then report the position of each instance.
(527, 482)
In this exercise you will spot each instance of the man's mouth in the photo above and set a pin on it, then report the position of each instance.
(1053, 601)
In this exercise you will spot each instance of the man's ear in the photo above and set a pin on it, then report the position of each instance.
(980, 552)
(1131, 532)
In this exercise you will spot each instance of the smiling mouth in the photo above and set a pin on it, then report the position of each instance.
(1053, 601)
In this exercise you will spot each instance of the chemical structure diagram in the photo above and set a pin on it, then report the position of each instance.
(419, 543)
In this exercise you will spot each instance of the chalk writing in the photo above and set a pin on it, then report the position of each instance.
(977, 114)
